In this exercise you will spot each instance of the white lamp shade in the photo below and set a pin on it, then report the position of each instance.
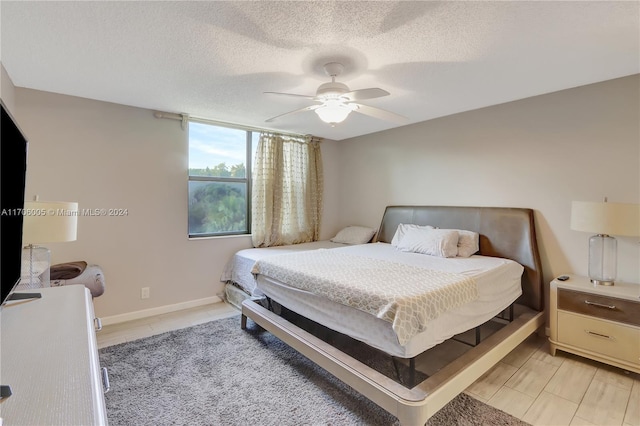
(333, 112)
(606, 218)
(49, 222)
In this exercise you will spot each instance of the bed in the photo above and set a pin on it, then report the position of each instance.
(237, 271)
(497, 281)
(507, 241)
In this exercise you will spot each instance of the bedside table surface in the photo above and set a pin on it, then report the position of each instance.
(621, 290)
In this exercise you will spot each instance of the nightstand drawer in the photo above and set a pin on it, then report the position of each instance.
(610, 308)
(603, 337)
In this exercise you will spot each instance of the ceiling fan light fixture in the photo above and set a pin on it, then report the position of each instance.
(337, 101)
(333, 112)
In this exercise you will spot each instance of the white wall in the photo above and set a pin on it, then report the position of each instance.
(541, 152)
(105, 155)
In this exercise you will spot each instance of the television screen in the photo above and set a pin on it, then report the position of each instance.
(13, 166)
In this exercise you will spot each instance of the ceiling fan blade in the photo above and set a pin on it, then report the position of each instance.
(358, 95)
(379, 113)
(292, 94)
(308, 108)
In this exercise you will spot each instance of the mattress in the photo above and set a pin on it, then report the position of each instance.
(238, 269)
(497, 279)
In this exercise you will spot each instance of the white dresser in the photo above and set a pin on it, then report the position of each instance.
(49, 358)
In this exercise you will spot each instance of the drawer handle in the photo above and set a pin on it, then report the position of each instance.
(593, 333)
(105, 380)
(97, 323)
(600, 305)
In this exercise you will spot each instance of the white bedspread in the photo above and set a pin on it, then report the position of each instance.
(238, 269)
(497, 279)
(406, 295)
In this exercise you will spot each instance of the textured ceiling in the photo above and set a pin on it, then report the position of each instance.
(215, 59)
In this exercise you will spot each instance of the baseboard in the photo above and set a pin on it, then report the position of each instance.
(130, 316)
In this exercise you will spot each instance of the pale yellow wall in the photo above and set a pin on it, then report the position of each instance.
(105, 155)
(541, 152)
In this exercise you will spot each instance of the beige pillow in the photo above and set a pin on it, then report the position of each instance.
(434, 242)
(354, 235)
(468, 243)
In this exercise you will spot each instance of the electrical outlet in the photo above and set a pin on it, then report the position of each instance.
(145, 293)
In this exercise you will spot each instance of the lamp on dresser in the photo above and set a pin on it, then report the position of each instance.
(44, 222)
(604, 220)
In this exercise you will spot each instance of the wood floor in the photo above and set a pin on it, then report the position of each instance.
(528, 383)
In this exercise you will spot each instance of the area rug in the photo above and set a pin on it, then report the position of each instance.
(217, 374)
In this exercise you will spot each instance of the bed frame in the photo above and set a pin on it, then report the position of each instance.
(504, 232)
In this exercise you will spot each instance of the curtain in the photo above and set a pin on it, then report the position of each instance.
(286, 203)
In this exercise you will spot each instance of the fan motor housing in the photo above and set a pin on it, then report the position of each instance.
(332, 90)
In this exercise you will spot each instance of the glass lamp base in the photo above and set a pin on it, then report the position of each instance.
(602, 259)
(35, 270)
(600, 282)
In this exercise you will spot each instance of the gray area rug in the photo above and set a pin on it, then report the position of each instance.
(217, 374)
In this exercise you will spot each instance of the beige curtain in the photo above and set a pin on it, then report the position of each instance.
(287, 190)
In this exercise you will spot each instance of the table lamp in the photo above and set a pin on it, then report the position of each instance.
(604, 219)
(44, 222)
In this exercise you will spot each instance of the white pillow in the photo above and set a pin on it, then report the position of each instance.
(468, 243)
(401, 230)
(354, 235)
(434, 242)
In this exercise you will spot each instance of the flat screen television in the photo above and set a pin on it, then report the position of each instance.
(13, 167)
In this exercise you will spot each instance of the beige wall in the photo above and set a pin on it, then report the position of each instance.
(541, 152)
(7, 89)
(105, 155)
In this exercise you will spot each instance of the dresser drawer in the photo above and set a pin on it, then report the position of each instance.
(603, 337)
(611, 308)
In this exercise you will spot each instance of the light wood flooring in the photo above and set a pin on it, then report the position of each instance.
(528, 383)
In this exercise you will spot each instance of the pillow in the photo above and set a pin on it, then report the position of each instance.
(403, 228)
(468, 242)
(434, 242)
(354, 235)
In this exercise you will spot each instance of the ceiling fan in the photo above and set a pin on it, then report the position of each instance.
(337, 101)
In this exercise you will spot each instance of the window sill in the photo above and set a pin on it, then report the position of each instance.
(217, 237)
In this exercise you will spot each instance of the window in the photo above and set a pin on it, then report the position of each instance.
(219, 179)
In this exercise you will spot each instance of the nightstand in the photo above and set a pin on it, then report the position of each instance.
(597, 322)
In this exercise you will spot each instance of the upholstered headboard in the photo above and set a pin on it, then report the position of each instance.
(504, 232)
